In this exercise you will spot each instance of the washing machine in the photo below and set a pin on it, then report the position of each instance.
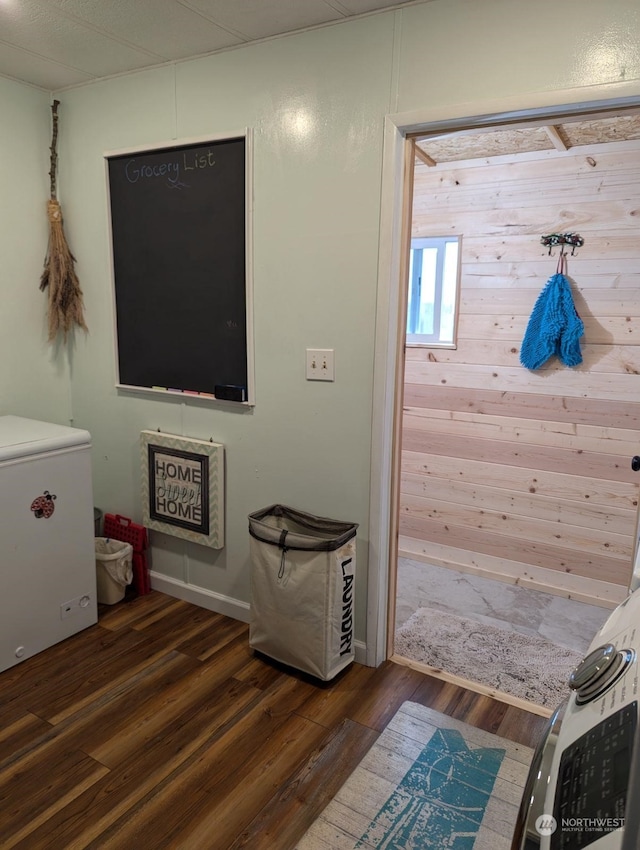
(583, 787)
(47, 557)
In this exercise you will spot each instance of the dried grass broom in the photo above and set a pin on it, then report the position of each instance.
(66, 308)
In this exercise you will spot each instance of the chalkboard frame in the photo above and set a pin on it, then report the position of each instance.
(233, 400)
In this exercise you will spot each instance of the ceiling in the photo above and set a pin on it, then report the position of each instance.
(431, 150)
(54, 44)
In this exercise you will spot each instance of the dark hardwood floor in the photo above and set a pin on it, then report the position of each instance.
(158, 728)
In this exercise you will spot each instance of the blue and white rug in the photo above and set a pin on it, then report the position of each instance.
(429, 783)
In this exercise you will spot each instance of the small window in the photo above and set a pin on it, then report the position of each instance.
(433, 291)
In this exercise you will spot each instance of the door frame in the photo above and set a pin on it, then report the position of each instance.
(391, 305)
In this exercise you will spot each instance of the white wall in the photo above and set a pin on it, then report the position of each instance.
(316, 226)
(33, 377)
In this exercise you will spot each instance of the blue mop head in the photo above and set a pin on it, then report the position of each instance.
(554, 327)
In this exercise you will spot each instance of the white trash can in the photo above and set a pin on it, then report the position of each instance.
(114, 569)
(302, 589)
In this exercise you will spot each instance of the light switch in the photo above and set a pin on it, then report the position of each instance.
(320, 364)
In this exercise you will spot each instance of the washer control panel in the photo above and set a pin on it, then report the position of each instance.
(593, 779)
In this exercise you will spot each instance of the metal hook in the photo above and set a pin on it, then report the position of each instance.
(562, 239)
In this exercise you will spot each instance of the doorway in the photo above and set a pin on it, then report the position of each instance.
(471, 485)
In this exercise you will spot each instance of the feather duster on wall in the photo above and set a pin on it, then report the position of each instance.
(66, 307)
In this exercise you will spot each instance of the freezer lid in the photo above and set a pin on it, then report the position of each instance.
(21, 437)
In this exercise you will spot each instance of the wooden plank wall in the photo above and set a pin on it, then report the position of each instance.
(518, 474)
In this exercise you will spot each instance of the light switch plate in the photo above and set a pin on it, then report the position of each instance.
(320, 364)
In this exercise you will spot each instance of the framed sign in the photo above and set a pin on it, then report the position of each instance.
(183, 487)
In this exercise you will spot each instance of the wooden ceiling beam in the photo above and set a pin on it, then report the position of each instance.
(556, 139)
(422, 156)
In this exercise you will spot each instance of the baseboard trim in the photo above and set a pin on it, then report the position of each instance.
(360, 650)
(216, 602)
(220, 604)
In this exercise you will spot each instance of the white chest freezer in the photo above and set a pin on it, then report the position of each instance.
(47, 551)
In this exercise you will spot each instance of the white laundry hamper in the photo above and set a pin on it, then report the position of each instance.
(302, 589)
(114, 570)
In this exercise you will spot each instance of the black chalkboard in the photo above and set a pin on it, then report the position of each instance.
(178, 217)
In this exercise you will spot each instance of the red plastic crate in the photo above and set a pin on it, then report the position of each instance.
(122, 528)
(141, 573)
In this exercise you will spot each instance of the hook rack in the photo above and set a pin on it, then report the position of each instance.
(562, 239)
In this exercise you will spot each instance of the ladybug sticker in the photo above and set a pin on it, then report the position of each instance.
(43, 506)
